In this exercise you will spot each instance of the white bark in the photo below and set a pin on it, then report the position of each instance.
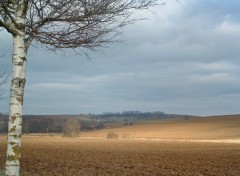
(16, 106)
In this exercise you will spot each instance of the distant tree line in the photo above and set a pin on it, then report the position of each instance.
(48, 124)
(55, 123)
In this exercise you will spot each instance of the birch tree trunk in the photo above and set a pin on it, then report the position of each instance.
(16, 105)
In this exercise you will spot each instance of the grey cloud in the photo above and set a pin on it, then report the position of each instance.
(178, 61)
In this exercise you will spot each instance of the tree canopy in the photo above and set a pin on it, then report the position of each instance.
(57, 24)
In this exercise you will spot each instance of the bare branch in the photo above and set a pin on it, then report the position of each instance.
(8, 13)
(25, 7)
(7, 27)
(84, 23)
(70, 23)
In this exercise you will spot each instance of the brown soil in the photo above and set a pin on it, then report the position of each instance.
(58, 156)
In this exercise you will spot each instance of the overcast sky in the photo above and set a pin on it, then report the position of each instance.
(180, 60)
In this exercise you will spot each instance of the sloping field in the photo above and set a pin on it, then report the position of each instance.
(92, 154)
(208, 128)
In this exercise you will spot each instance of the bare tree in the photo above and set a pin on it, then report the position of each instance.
(56, 24)
(71, 128)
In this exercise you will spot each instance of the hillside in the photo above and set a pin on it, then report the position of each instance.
(54, 123)
(217, 127)
(137, 125)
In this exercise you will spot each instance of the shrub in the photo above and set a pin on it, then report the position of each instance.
(112, 135)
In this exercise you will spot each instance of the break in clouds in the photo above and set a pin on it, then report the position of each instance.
(180, 60)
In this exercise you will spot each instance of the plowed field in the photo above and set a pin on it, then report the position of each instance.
(58, 156)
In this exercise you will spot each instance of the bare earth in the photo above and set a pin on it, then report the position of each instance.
(186, 147)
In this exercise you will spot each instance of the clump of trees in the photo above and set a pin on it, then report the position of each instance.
(71, 128)
(91, 124)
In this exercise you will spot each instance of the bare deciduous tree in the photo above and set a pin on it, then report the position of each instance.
(56, 24)
(71, 128)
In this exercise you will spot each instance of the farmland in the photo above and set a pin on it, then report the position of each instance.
(223, 127)
(200, 146)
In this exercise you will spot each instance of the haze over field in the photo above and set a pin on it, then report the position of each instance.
(180, 60)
